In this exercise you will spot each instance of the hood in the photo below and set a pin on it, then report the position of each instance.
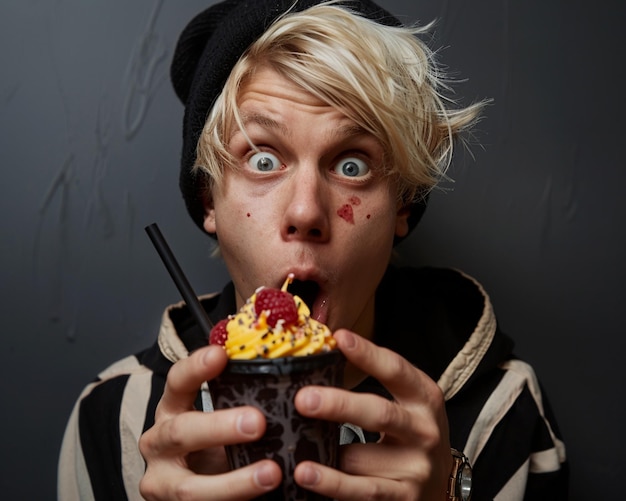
(442, 320)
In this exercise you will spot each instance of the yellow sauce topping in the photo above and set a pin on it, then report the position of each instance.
(251, 337)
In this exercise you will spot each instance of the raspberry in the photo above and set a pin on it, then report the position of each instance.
(280, 305)
(218, 333)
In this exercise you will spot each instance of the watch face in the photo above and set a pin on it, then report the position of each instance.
(465, 482)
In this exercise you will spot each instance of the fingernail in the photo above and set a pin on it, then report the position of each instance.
(312, 400)
(264, 476)
(310, 476)
(247, 424)
(349, 340)
(206, 358)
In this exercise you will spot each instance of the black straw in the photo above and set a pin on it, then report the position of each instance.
(176, 272)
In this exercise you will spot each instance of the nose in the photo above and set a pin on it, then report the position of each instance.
(306, 213)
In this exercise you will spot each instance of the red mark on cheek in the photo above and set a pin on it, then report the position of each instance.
(345, 212)
(248, 214)
(368, 216)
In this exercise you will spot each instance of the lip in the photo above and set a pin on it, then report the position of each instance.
(304, 274)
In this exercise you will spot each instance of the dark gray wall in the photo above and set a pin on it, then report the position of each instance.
(89, 151)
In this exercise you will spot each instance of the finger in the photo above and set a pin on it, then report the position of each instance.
(337, 485)
(403, 380)
(384, 460)
(370, 412)
(196, 430)
(187, 375)
(244, 483)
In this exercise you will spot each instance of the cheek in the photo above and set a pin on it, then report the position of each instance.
(346, 213)
(354, 211)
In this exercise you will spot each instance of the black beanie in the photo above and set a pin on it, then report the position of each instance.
(206, 52)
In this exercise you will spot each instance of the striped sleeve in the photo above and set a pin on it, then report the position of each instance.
(99, 458)
(514, 445)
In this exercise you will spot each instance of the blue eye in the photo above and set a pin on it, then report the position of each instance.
(351, 167)
(264, 162)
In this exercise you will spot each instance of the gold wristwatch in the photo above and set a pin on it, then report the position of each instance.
(460, 483)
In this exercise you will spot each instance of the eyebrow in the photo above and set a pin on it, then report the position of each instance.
(351, 130)
(264, 121)
(341, 132)
(267, 122)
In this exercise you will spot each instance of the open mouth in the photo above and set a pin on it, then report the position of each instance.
(308, 291)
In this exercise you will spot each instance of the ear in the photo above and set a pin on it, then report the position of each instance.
(402, 221)
(209, 224)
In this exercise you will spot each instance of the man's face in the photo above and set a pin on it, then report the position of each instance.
(310, 201)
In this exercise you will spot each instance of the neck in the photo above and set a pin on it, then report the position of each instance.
(364, 327)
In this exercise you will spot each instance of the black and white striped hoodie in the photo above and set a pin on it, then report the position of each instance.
(439, 319)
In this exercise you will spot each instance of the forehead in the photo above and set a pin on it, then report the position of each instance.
(270, 100)
(265, 84)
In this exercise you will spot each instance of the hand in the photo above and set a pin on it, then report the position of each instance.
(184, 450)
(412, 459)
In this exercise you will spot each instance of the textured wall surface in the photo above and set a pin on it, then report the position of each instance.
(89, 147)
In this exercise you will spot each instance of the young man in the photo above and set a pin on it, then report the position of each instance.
(312, 136)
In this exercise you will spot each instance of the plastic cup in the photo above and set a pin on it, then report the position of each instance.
(271, 386)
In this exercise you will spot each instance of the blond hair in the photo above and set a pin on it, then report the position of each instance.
(384, 78)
